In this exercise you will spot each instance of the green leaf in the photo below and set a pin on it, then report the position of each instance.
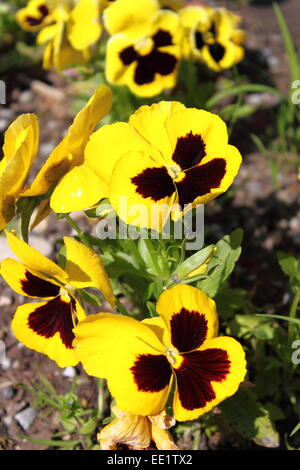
(288, 44)
(250, 418)
(88, 427)
(289, 265)
(152, 309)
(222, 263)
(194, 261)
(51, 442)
(89, 297)
(296, 429)
(240, 89)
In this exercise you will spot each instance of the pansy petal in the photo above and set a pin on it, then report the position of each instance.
(108, 144)
(149, 122)
(78, 189)
(208, 376)
(46, 327)
(195, 133)
(130, 356)
(31, 257)
(123, 15)
(189, 315)
(206, 181)
(141, 191)
(20, 148)
(7, 210)
(85, 268)
(26, 281)
(84, 27)
(70, 151)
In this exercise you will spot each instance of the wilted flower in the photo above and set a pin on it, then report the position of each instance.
(137, 432)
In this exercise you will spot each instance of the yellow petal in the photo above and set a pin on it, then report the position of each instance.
(210, 127)
(85, 268)
(46, 327)
(149, 121)
(35, 260)
(123, 15)
(190, 316)
(114, 346)
(26, 281)
(70, 151)
(141, 191)
(113, 140)
(7, 210)
(79, 189)
(84, 27)
(208, 376)
(20, 148)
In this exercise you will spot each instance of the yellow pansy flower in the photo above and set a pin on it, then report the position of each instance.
(141, 360)
(68, 28)
(19, 149)
(137, 432)
(145, 48)
(167, 159)
(36, 15)
(212, 36)
(73, 184)
(47, 326)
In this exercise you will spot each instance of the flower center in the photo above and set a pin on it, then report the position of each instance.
(176, 173)
(67, 290)
(171, 355)
(144, 46)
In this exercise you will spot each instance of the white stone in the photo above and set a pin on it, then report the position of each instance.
(26, 417)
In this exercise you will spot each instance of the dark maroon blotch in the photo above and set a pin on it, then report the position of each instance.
(195, 374)
(189, 150)
(33, 21)
(162, 38)
(152, 373)
(200, 180)
(44, 10)
(188, 329)
(199, 40)
(217, 51)
(128, 55)
(55, 316)
(150, 64)
(155, 183)
(36, 287)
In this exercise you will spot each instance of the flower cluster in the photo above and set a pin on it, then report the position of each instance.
(68, 28)
(148, 38)
(166, 159)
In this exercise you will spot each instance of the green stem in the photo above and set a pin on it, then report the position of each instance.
(293, 313)
(101, 398)
(83, 238)
(121, 308)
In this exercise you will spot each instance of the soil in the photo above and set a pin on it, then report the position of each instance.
(268, 211)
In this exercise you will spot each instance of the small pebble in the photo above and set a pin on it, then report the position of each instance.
(5, 363)
(69, 372)
(26, 417)
(8, 393)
